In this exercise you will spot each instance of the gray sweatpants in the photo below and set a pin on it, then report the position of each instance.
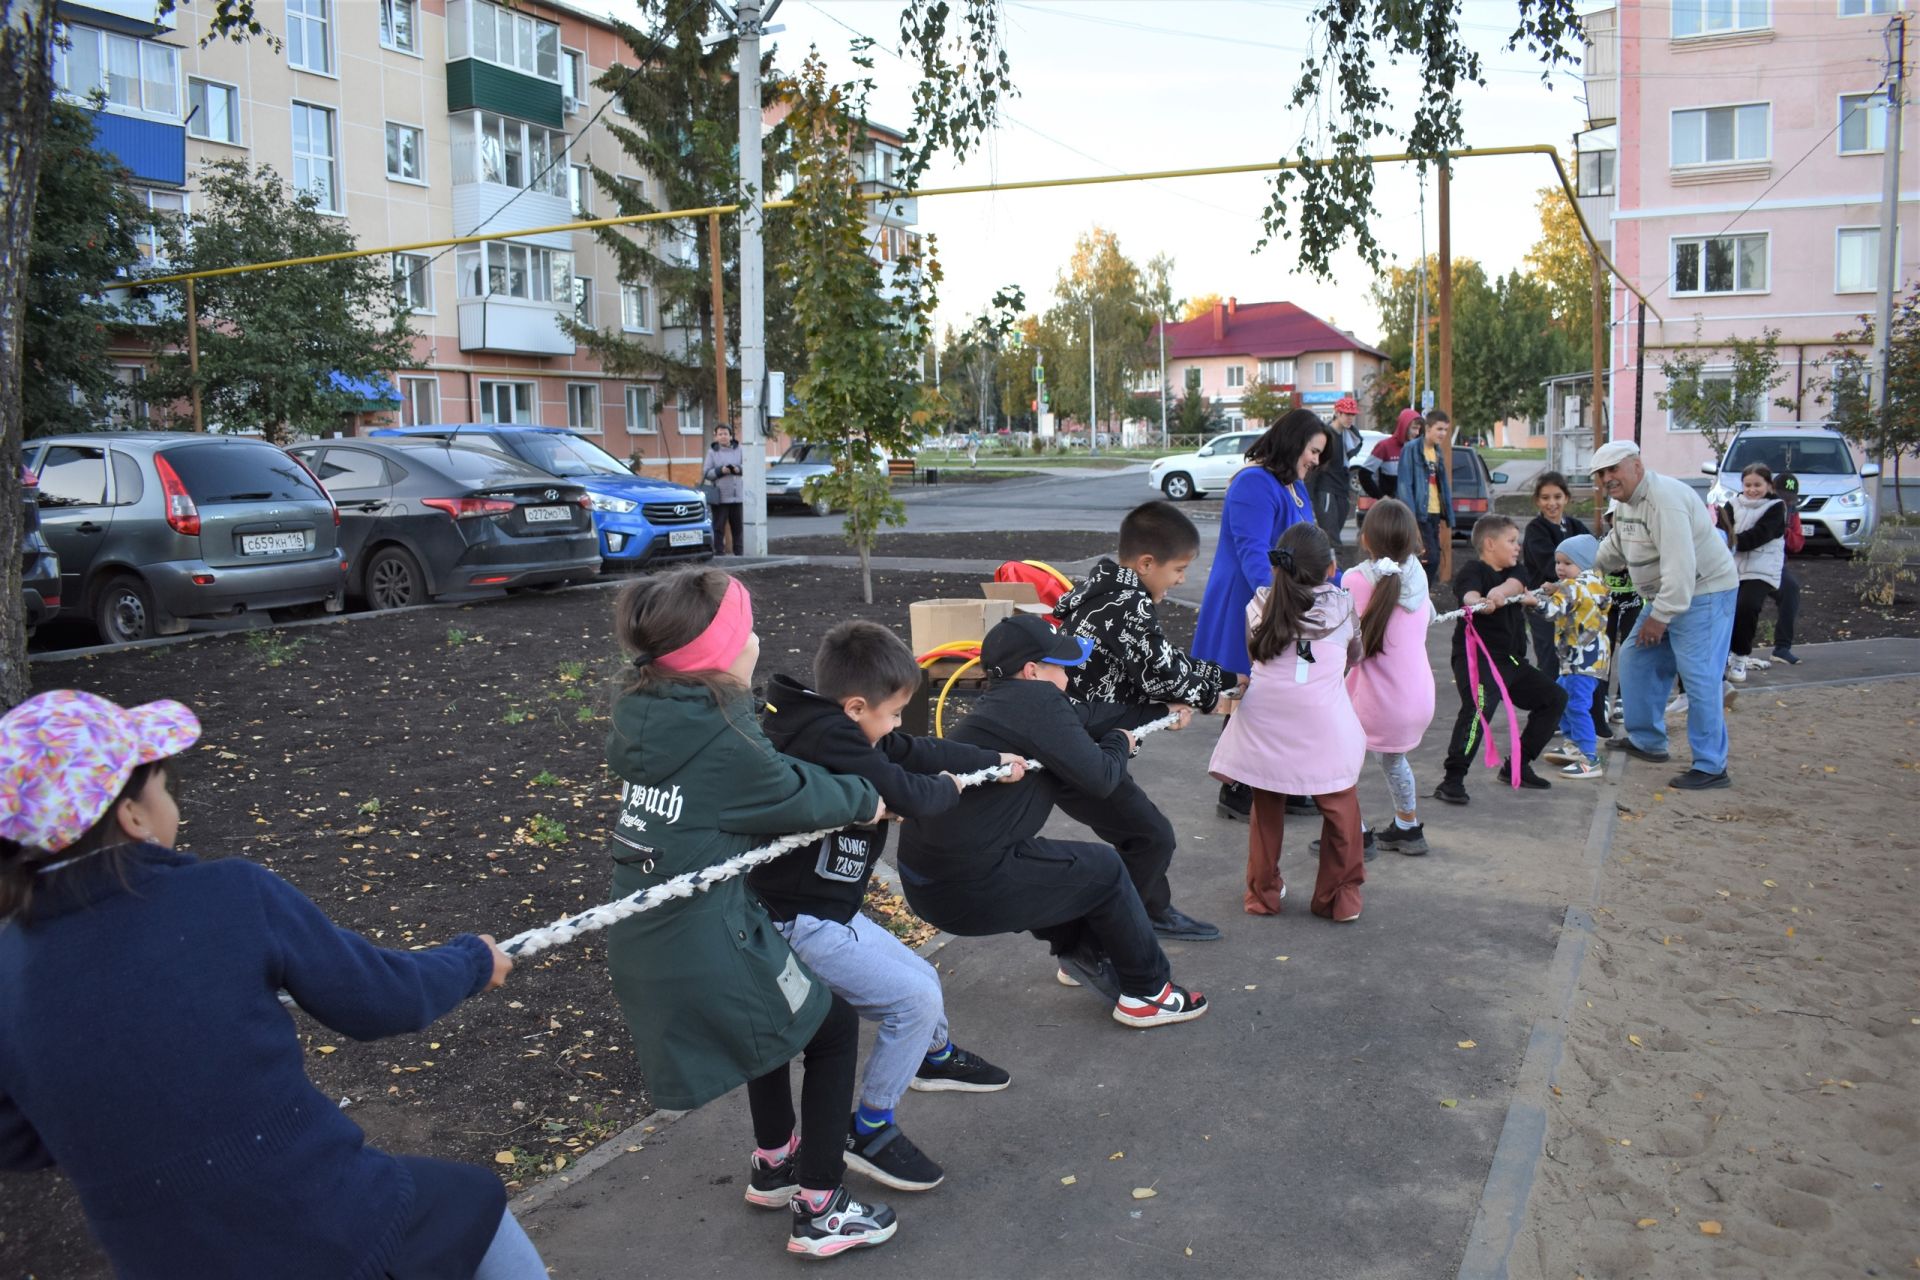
(886, 983)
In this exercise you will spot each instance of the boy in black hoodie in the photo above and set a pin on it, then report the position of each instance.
(849, 723)
(1134, 664)
(985, 870)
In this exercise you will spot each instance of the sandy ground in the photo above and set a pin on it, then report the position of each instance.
(1741, 1090)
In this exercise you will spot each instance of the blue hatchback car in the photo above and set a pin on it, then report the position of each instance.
(639, 520)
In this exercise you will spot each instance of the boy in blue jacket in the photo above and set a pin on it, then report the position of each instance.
(849, 722)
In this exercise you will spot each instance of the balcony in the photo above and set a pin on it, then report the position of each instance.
(484, 206)
(511, 326)
(476, 85)
(1602, 67)
(152, 151)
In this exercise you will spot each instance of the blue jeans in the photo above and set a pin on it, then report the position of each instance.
(1695, 649)
(511, 1256)
(1576, 722)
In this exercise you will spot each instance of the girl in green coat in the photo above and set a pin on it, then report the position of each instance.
(710, 990)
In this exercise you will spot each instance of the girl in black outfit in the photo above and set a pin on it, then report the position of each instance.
(1543, 534)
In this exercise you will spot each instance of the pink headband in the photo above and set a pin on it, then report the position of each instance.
(715, 648)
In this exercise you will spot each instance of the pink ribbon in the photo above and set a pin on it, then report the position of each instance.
(1475, 643)
(715, 648)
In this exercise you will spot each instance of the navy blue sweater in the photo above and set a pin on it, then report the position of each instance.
(144, 1051)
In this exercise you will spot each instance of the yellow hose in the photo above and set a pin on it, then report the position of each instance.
(940, 705)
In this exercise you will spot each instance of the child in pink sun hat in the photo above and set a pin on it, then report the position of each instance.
(144, 1050)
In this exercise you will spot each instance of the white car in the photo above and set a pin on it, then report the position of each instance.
(1836, 504)
(1206, 470)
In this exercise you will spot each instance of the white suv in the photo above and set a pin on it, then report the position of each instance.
(1206, 470)
(1836, 506)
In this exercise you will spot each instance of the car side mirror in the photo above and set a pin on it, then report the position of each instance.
(1869, 470)
(1206, 451)
(1499, 477)
(1709, 468)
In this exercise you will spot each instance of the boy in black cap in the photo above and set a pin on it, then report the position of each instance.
(982, 868)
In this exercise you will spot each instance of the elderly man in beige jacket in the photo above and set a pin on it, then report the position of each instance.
(1665, 540)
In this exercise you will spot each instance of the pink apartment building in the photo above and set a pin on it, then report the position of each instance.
(1222, 352)
(1735, 151)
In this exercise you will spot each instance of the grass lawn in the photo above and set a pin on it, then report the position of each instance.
(1495, 457)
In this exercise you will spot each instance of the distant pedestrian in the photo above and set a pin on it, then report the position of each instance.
(723, 472)
(973, 448)
(1663, 537)
(1379, 470)
(1426, 488)
(1333, 482)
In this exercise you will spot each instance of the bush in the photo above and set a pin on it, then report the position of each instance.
(1883, 569)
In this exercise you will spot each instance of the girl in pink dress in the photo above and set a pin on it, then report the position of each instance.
(1392, 684)
(1295, 731)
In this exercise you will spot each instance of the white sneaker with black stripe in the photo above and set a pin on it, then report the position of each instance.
(1173, 1004)
(843, 1224)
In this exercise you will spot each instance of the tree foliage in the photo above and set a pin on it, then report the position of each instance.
(1195, 415)
(83, 236)
(1356, 48)
(1893, 432)
(1265, 403)
(271, 341)
(1716, 406)
(1199, 305)
(1099, 279)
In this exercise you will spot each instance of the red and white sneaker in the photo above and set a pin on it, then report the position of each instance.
(1173, 1004)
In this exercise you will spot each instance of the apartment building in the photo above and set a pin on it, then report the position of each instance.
(1219, 354)
(1735, 150)
(416, 120)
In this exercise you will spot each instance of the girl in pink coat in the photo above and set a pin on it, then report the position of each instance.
(1295, 732)
(1392, 683)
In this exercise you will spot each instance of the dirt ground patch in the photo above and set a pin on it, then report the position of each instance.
(1053, 546)
(418, 775)
(1737, 1096)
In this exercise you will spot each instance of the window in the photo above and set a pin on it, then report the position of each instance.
(1716, 391)
(314, 165)
(419, 402)
(636, 307)
(413, 281)
(1236, 376)
(494, 148)
(640, 411)
(1856, 259)
(1277, 372)
(583, 299)
(1193, 378)
(580, 190)
(1720, 264)
(344, 470)
(136, 75)
(1596, 173)
(129, 409)
(399, 25)
(1864, 8)
(1718, 17)
(167, 208)
(1863, 123)
(309, 35)
(693, 416)
(1721, 135)
(406, 153)
(1322, 372)
(506, 402)
(573, 79)
(213, 111)
(583, 406)
(73, 476)
(504, 269)
(516, 40)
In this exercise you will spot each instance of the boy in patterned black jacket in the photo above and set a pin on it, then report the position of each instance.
(1133, 664)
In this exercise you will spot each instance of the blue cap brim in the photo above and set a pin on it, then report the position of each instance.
(1086, 651)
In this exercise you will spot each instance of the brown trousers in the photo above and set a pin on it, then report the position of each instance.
(1336, 890)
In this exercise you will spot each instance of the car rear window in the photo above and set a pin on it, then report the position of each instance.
(241, 473)
(1802, 455)
(481, 468)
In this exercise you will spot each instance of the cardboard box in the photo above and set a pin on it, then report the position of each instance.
(933, 623)
(1018, 592)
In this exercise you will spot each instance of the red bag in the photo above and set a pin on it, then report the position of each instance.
(1796, 535)
(1048, 582)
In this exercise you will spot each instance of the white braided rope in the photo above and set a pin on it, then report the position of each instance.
(686, 885)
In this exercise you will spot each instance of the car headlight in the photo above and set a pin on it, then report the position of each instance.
(619, 506)
(1852, 500)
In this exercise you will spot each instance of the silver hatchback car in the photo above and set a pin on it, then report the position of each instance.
(154, 528)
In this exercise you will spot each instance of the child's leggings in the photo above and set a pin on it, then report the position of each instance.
(1406, 797)
(511, 1256)
(826, 1100)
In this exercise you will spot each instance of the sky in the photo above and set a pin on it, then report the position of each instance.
(1114, 86)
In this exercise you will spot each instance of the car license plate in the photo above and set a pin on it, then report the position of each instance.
(259, 544)
(684, 538)
(548, 515)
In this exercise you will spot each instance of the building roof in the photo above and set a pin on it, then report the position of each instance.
(1260, 330)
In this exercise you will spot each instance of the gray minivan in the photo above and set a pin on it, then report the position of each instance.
(154, 528)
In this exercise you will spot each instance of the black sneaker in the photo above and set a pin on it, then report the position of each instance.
(1411, 841)
(844, 1224)
(771, 1186)
(962, 1072)
(1638, 752)
(1451, 790)
(1529, 780)
(887, 1155)
(1092, 968)
(1236, 802)
(1366, 846)
(1699, 780)
(1178, 925)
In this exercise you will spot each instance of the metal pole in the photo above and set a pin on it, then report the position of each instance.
(1639, 371)
(1446, 296)
(721, 410)
(1600, 342)
(1419, 320)
(1889, 235)
(1164, 441)
(193, 355)
(753, 336)
(1093, 417)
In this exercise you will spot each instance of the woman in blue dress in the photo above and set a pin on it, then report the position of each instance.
(1265, 499)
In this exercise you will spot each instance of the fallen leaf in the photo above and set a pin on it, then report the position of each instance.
(1556, 1090)
(1144, 1193)
(326, 1048)
(1771, 884)
(1636, 1042)
(1827, 768)
(1283, 958)
(1449, 1102)
(1252, 987)
(1465, 1044)
(559, 1163)
(631, 1149)
(1710, 1228)
(1626, 1142)
(1189, 1251)
(503, 1157)
(1789, 931)
(1647, 1222)
(1118, 1155)
(1068, 1181)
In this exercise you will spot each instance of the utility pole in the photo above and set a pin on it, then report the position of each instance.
(1414, 363)
(1602, 341)
(1889, 230)
(1164, 441)
(749, 22)
(1446, 292)
(1093, 418)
